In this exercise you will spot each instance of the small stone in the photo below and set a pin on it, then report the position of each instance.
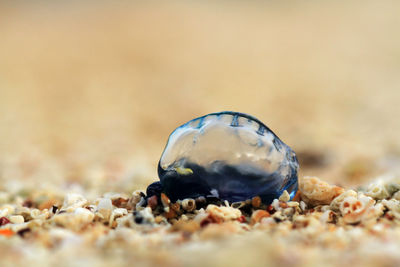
(256, 201)
(16, 219)
(224, 213)
(120, 202)
(176, 207)
(28, 203)
(189, 204)
(159, 219)
(76, 220)
(84, 214)
(165, 200)
(144, 216)
(293, 204)
(170, 214)
(4, 221)
(152, 202)
(303, 205)
(104, 204)
(105, 207)
(317, 192)
(73, 201)
(35, 213)
(138, 218)
(397, 195)
(201, 202)
(185, 226)
(47, 204)
(135, 199)
(141, 204)
(258, 215)
(6, 232)
(117, 213)
(275, 204)
(285, 197)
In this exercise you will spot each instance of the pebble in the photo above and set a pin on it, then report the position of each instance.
(16, 219)
(73, 201)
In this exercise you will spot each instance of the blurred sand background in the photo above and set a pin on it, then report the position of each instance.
(90, 91)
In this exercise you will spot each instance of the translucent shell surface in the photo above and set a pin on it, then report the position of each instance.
(229, 155)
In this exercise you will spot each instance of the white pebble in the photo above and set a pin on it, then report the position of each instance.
(105, 208)
(303, 205)
(73, 201)
(104, 204)
(84, 214)
(17, 219)
(275, 204)
(285, 197)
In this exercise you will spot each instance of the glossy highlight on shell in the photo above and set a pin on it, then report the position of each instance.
(228, 155)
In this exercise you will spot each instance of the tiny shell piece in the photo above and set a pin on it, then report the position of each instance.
(256, 201)
(377, 190)
(73, 201)
(104, 204)
(275, 204)
(336, 202)
(186, 226)
(152, 202)
(285, 197)
(396, 195)
(189, 204)
(16, 219)
(316, 192)
(35, 213)
(76, 220)
(146, 215)
(135, 199)
(303, 205)
(224, 213)
(6, 232)
(84, 215)
(258, 215)
(3, 212)
(4, 221)
(394, 207)
(354, 209)
(105, 207)
(176, 207)
(384, 186)
(140, 204)
(119, 212)
(165, 201)
(327, 216)
(170, 214)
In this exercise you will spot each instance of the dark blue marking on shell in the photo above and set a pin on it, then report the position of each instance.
(229, 155)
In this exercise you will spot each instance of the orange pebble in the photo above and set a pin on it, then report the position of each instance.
(258, 215)
(256, 201)
(6, 232)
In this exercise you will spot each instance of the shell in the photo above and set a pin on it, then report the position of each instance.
(229, 155)
(189, 204)
(317, 192)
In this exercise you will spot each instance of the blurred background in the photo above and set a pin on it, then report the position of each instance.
(90, 91)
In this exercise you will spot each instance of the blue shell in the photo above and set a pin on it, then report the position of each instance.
(229, 155)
